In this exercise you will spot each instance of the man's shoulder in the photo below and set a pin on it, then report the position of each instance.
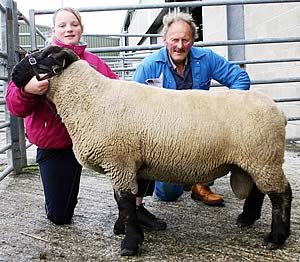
(198, 52)
(156, 57)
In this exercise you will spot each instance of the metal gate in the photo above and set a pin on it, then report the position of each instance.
(129, 56)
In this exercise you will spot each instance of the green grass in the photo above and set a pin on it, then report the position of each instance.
(32, 169)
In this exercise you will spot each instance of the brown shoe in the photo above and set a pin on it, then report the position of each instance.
(204, 194)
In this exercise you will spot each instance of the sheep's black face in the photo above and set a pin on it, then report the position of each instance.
(49, 61)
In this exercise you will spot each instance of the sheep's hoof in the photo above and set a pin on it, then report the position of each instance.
(130, 246)
(125, 252)
(245, 220)
(271, 243)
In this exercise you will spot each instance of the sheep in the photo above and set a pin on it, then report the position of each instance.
(131, 131)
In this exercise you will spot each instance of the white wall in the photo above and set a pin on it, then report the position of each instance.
(214, 26)
(265, 21)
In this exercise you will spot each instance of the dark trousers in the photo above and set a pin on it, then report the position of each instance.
(145, 187)
(60, 173)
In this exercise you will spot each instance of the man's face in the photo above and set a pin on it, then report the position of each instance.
(179, 40)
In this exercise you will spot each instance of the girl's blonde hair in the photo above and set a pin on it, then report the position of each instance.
(72, 10)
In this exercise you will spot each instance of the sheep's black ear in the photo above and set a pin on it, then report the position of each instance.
(22, 73)
(70, 57)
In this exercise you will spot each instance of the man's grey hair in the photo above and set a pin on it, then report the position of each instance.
(170, 18)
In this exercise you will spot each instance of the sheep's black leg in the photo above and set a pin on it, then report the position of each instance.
(119, 226)
(134, 235)
(281, 215)
(252, 207)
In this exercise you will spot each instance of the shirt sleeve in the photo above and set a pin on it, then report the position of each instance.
(140, 75)
(228, 74)
(20, 103)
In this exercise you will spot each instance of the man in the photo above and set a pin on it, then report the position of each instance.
(181, 66)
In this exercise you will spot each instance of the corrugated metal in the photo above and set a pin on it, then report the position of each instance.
(93, 41)
(24, 37)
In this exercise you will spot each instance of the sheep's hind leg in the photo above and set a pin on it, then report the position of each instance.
(134, 235)
(252, 207)
(281, 215)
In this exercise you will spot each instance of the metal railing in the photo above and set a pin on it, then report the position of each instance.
(128, 54)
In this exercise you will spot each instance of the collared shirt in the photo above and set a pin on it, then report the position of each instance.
(185, 81)
(205, 64)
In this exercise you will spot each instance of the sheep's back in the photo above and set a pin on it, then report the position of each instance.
(169, 131)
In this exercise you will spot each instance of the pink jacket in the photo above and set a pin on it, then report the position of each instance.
(43, 127)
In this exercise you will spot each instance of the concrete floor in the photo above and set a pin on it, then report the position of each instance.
(195, 232)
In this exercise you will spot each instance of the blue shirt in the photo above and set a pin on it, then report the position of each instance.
(206, 65)
(185, 81)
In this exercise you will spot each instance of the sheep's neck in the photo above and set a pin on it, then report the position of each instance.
(74, 93)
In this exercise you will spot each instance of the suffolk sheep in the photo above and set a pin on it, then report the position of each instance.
(131, 131)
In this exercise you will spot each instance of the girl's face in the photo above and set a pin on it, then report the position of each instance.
(67, 28)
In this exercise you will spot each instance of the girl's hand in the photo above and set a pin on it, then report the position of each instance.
(36, 87)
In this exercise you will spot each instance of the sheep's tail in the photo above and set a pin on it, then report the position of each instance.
(241, 183)
(285, 117)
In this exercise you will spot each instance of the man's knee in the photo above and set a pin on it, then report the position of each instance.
(168, 192)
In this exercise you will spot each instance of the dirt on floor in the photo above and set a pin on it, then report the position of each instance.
(195, 232)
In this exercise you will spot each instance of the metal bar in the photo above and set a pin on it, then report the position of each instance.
(269, 81)
(2, 8)
(3, 55)
(5, 124)
(29, 46)
(4, 78)
(293, 118)
(6, 172)
(253, 82)
(265, 61)
(124, 69)
(293, 139)
(201, 44)
(28, 23)
(282, 100)
(171, 5)
(2, 101)
(250, 41)
(32, 29)
(235, 31)
(122, 57)
(6, 147)
(123, 35)
(259, 61)
(276, 81)
(15, 134)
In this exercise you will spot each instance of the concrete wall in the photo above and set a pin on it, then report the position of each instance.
(265, 21)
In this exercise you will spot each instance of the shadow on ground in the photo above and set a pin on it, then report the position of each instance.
(195, 232)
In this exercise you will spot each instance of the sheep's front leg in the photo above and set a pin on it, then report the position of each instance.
(281, 216)
(134, 235)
